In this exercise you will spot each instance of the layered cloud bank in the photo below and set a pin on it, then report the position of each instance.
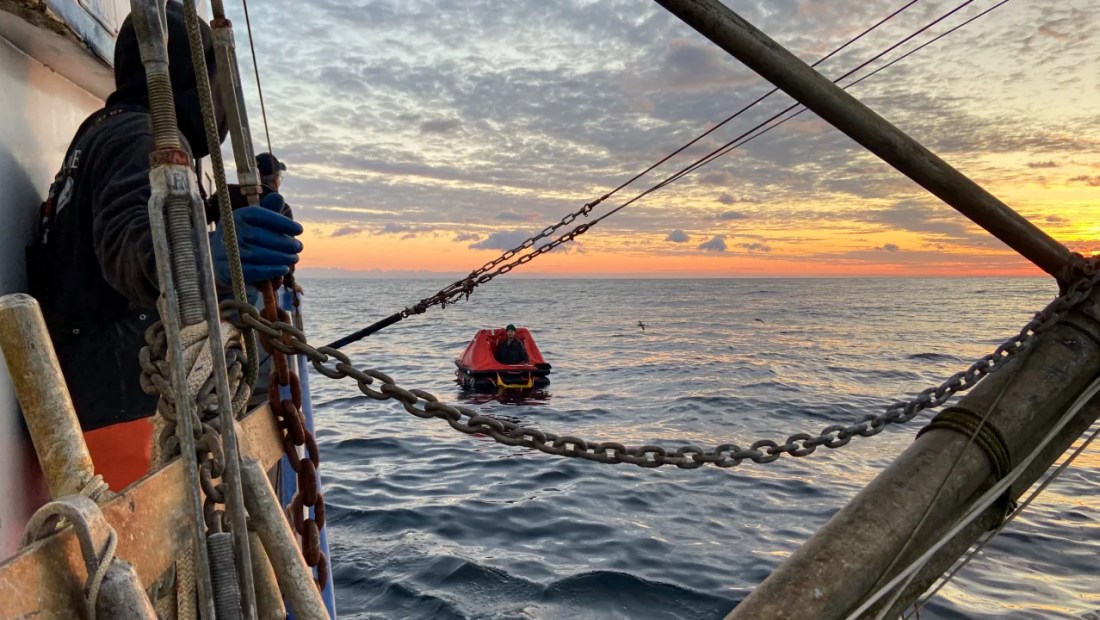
(432, 138)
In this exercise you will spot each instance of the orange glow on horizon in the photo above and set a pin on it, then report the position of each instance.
(810, 242)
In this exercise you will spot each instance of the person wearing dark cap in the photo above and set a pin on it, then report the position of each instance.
(271, 179)
(271, 171)
(511, 351)
(92, 265)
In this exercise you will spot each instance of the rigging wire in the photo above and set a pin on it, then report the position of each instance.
(988, 538)
(885, 66)
(724, 149)
(462, 285)
(900, 591)
(939, 491)
(744, 109)
(744, 137)
(256, 70)
(987, 499)
(483, 274)
(587, 208)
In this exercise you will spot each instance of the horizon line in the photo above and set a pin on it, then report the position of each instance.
(400, 275)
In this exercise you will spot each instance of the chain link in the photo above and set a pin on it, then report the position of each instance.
(490, 270)
(377, 385)
(277, 338)
(204, 419)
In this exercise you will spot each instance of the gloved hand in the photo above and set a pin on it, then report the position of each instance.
(266, 239)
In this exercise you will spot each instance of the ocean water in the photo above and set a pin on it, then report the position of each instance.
(427, 523)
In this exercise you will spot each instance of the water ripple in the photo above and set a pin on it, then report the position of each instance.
(428, 523)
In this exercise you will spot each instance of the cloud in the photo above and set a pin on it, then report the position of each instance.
(915, 216)
(466, 236)
(440, 126)
(394, 228)
(511, 215)
(718, 177)
(717, 243)
(755, 247)
(501, 240)
(453, 113)
(1055, 219)
(731, 215)
(568, 247)
(345, 231)
(888, 247)
(694, 65)
(678, 236)
(1087, 180)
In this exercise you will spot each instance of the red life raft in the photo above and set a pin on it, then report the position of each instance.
(479, 370)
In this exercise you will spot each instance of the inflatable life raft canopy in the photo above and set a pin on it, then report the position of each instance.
(478, 366)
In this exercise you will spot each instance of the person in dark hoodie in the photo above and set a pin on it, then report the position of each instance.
(92, 267)
(511, 351)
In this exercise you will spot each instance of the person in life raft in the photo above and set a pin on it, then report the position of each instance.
(511, 350)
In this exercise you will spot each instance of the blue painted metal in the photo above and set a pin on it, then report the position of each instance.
(288, 480)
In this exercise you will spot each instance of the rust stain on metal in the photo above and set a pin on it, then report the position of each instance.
(46, 579)
(43, 396)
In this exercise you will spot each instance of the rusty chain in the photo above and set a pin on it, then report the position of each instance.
(291, 421)
(206, 422)
(155, 380)
(332, 363)
(482, 274)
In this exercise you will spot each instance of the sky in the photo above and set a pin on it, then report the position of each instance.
(427, 137)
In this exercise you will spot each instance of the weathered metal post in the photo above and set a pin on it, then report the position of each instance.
(40, 388)
(269, 521)
(761, 54)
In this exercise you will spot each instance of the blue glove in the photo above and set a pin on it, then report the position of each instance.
(266, 240)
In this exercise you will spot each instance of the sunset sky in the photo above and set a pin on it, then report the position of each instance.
(423, 138)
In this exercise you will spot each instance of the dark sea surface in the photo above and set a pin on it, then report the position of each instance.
(427, 523)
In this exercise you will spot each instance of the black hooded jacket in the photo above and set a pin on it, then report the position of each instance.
(92, 267)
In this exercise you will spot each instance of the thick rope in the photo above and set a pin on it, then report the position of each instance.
(1015, 513)
(198, 360)
(186, 586)
(96, 489)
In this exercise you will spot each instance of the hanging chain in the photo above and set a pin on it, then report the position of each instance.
(289, 417)
(1084, 275)
(481, 275)
(155, 380)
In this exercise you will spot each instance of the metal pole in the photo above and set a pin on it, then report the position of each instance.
(761, 54)
(269, 521)
(885, 526)
(172, 185)
(40, 388)
(248, 176)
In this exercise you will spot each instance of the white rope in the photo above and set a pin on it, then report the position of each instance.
(985, 501)
(1015, 513)
(96, 489)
